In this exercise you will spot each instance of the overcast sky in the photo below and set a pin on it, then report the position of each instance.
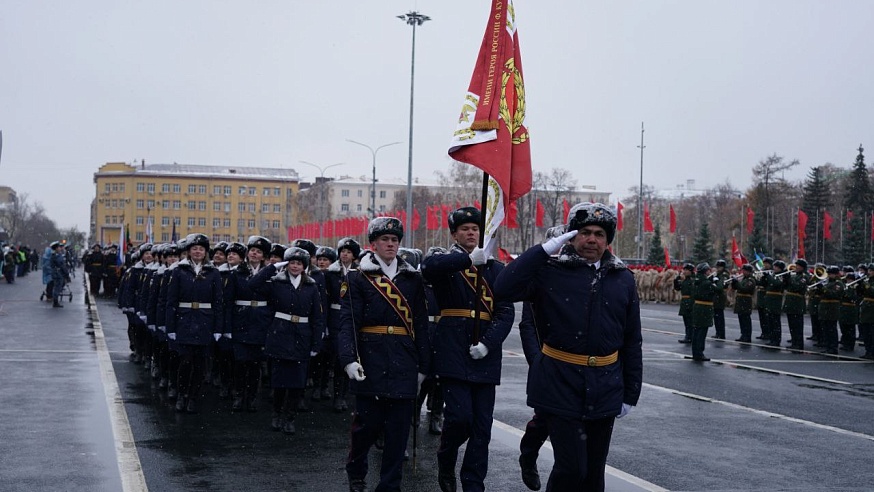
(720, 85)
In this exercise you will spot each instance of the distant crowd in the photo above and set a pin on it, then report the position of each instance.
(17, 260)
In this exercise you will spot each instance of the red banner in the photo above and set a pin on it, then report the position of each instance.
(667, 257)
(538, 216)
(673, 219)
(736, 255)
(647, 221)
(849, 218)
(802, 234)
(749, 221)
(510, 219)
(566, 209)
(826, 225)
(619, 208)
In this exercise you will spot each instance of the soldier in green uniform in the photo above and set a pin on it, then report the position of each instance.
(796, 288)
(745, 286)
(865, 290)
(719, 301)
(760, 298)
(849, 316)
(705, 289)
(830, 309)
(813, 298)
(774, 303)
(684, 283)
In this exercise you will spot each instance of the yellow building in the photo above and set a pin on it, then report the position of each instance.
(226, 203)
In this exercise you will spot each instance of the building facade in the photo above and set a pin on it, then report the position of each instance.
(226, 203)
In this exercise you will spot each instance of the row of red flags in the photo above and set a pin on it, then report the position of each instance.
(647, 219)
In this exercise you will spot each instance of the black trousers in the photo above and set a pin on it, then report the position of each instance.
(192, 364)
(372, 417)
(867, 331)
(848, 335)
(687, 324)
(746, 326)
(796, 329)
(829, 337)
(719, 322)
(775, 327)
(764, 323)
(535, 435)
(467, 418)
(699, 338)
(815, 328)
(580, 448)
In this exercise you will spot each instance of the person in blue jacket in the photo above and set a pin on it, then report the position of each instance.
(384, 350)
(469, 370)
(295, 332)
(590, 367)
(348, 250)
(194, 317)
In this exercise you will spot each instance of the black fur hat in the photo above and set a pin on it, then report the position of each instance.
(350, 244)
(464, 215)
(588, 213)
(384, 225)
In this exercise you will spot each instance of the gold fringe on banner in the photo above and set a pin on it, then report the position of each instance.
(484, 125)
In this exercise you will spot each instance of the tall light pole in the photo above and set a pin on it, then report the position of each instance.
(640, 199)
(321, 191)
(373, 152)
(412, 18)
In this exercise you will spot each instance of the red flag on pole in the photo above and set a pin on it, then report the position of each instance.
(736, 255)
(538, 216)
(802, 234)
(673, 219)
(619, 208)
(826, 225)
(491, 134)
(430, 219)
(510, 219)
(849, 218)
(667, 257)
(647, 221)
(566, 209)
(749, 220)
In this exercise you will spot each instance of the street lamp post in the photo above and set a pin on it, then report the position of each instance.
(373, 153)
(322, 192)
(412, 18)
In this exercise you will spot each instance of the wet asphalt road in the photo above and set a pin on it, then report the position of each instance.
(752, 419)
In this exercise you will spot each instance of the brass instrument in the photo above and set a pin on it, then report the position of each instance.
(820, 272)
(758, 274)
(863, 277)
(784, 273)
(818, 284)
(733, 277)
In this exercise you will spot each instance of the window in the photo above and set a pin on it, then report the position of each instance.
(106, 220)
(177, 220)
(150, 204)
(344, 193)
(165, 188)
(140, 204)
(165, 221)
(358, 207)
(289, 192)
(140, 220)
(344, 207)
(266, 191)
(192, 188)
(251, 207)
(216, 223)
(139, 237)
(242, 190)
(201, 189)
(106, 187)
(150, 187)
(241, 223)
(226, 222)
(265, 224)
(227, 207)
(216, 190)
(277, 191)
(201, 205)
(121, 187)
(165, 237)
(276, 224)
(241, 207)
(360, 193)
(191, 221)
(114, 204)
(265, 208)
(201, 221)
(217, 206)
(277, 208)
(251, 223)
(177, 188)
(191, 204)
(382, 208)
(141, 187)
(226, 237)
(165, 203)
(177, 204)
(382, 194)
(253, 191)
(227, 191)
(114, 186)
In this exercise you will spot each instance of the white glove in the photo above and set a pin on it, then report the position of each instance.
(280, 264)
(626, 409)
(420, 379)
(478, 351)
(227, 335)
(354, 371)
(142, 317)
(313, 353)
(171, 336)
(478, 256)
(162, 329)
(554, 245)
(216, 336)
(151, 327)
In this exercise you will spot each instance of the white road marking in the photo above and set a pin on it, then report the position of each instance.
(763, 369)
(763, 413)
(129, 466)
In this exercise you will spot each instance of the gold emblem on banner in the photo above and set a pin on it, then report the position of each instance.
(343, 288)
(513, 121)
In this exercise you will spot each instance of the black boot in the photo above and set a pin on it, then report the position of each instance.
(192, 406)
(357, 485)
(276, 422)
(237, 405)
(435, 426)
(56, 304)
(530, 476)
(181, 404)
(446, 480)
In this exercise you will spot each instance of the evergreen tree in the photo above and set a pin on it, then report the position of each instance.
(857, 203)
(702, 250)
(656, 255)
(756, 242)
(816, 197)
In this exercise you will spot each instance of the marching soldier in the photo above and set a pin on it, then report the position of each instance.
(774, 303)
(93, 262)
(796, 288)
(865, 289)
(813, 299)
(468, 369)
(719, 301)
(348, 250)
(745, 286)
(323, 364)
(761, 302)
(849, 316)
(705, 289)
(684, 283)
(112, 269)
(830, 309)
(384, 350)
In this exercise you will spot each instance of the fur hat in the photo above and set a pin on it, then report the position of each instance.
(306, 244)
(384, 225)
(277, 250)
(350, 244)
(196, 239)
(326, 252)
(238, 248)
(411, 256)
(260, 242)
(588, 213)
(296, 253)
(464, 215)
